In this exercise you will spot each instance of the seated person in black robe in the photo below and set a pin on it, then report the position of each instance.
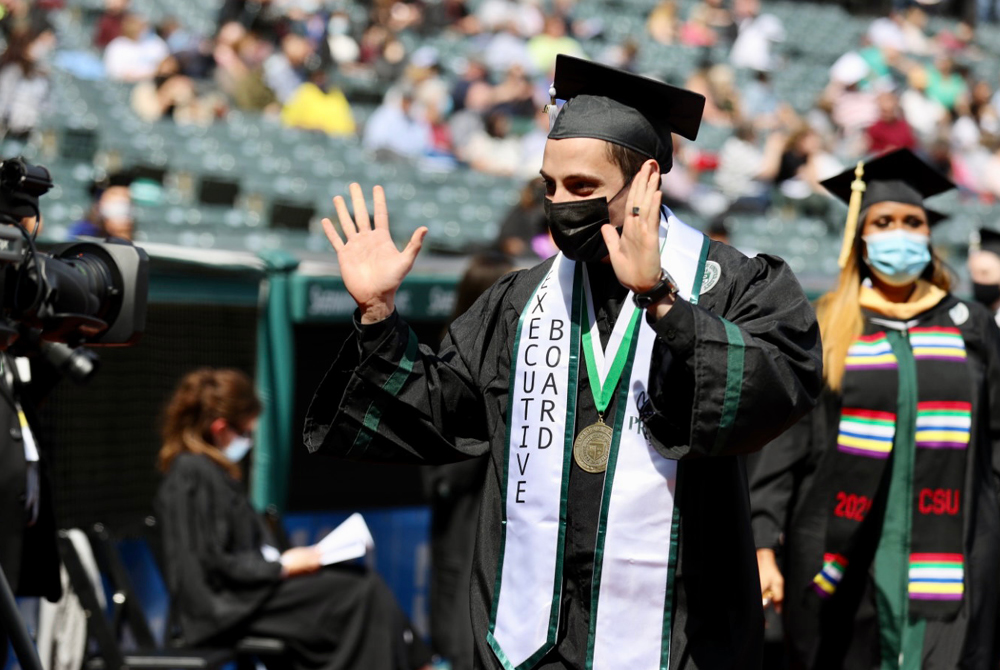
(221, 584)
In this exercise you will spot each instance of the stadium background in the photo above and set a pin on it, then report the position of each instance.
(243, 277)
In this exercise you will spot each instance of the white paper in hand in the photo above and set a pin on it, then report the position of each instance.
(348, 541)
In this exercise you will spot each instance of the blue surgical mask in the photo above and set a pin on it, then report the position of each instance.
(899, 256)
(238, 448)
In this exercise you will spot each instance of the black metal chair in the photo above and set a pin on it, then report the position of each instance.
(275, 526)
(109, 653)
(125, 608)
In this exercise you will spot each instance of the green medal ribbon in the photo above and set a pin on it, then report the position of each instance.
(604, 392)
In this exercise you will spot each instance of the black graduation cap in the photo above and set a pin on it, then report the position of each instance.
(989, 240)
(623, 108)
(898, 176)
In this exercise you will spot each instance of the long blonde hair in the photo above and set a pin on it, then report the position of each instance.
(201, 397)
(839, 311)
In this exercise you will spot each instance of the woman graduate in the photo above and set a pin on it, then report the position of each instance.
(885, 496)
(224, 581)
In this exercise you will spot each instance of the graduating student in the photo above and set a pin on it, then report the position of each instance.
(984, 270)
(614, 388)
(884, 499)
(225, 582)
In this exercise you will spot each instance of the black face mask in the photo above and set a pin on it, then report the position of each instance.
(576, 226)
(986, 294)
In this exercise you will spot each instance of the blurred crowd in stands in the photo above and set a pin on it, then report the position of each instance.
(902, 86)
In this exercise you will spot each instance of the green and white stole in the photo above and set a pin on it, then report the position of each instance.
(637, 534)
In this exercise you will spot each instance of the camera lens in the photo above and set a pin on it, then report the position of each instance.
(18, 175)
(99, 283)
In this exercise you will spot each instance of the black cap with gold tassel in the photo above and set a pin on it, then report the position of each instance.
(898, 176)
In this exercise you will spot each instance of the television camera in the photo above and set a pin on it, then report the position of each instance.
(90, 293)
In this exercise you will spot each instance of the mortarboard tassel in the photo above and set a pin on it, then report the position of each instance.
(551, 108)
(853, 212)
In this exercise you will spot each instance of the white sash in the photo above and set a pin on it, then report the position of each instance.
(633, 566)
(529, 578)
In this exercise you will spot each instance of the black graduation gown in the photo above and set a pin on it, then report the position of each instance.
(453, 405)
(791, 507)
(28, 554)
(455, 490)
(223, 589)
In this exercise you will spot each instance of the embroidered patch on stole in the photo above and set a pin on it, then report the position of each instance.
(870, 352)
(943, 425)
(944, 344)
(936, 576)
(865, 432)
(710, 277)
(826, 582)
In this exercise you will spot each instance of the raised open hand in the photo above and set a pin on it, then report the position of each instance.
(635, 255)
(370, 264)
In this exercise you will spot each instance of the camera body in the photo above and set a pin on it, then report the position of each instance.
(91, 293)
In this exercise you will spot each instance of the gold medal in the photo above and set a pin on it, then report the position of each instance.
(592, 447)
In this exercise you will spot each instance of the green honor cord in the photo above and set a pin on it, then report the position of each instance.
(603, 393)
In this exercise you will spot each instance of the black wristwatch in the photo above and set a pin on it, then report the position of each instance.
(661, 289)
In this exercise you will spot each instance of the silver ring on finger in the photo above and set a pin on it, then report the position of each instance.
(635, 211)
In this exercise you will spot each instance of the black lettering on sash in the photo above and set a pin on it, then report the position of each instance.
(550, 382)
(521, 465)
(547, 407)
(548, 437)
(520, 490)
(545, 282)
(643, 405)
(524, 437)
(526, 402)
(526, 350)
(548, 356)
(526, 384)
(556, 327)
(538, 304)
(640, 399)
(532, 327)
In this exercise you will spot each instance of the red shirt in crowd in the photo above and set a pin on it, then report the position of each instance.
(109, 26)
(887, 135)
